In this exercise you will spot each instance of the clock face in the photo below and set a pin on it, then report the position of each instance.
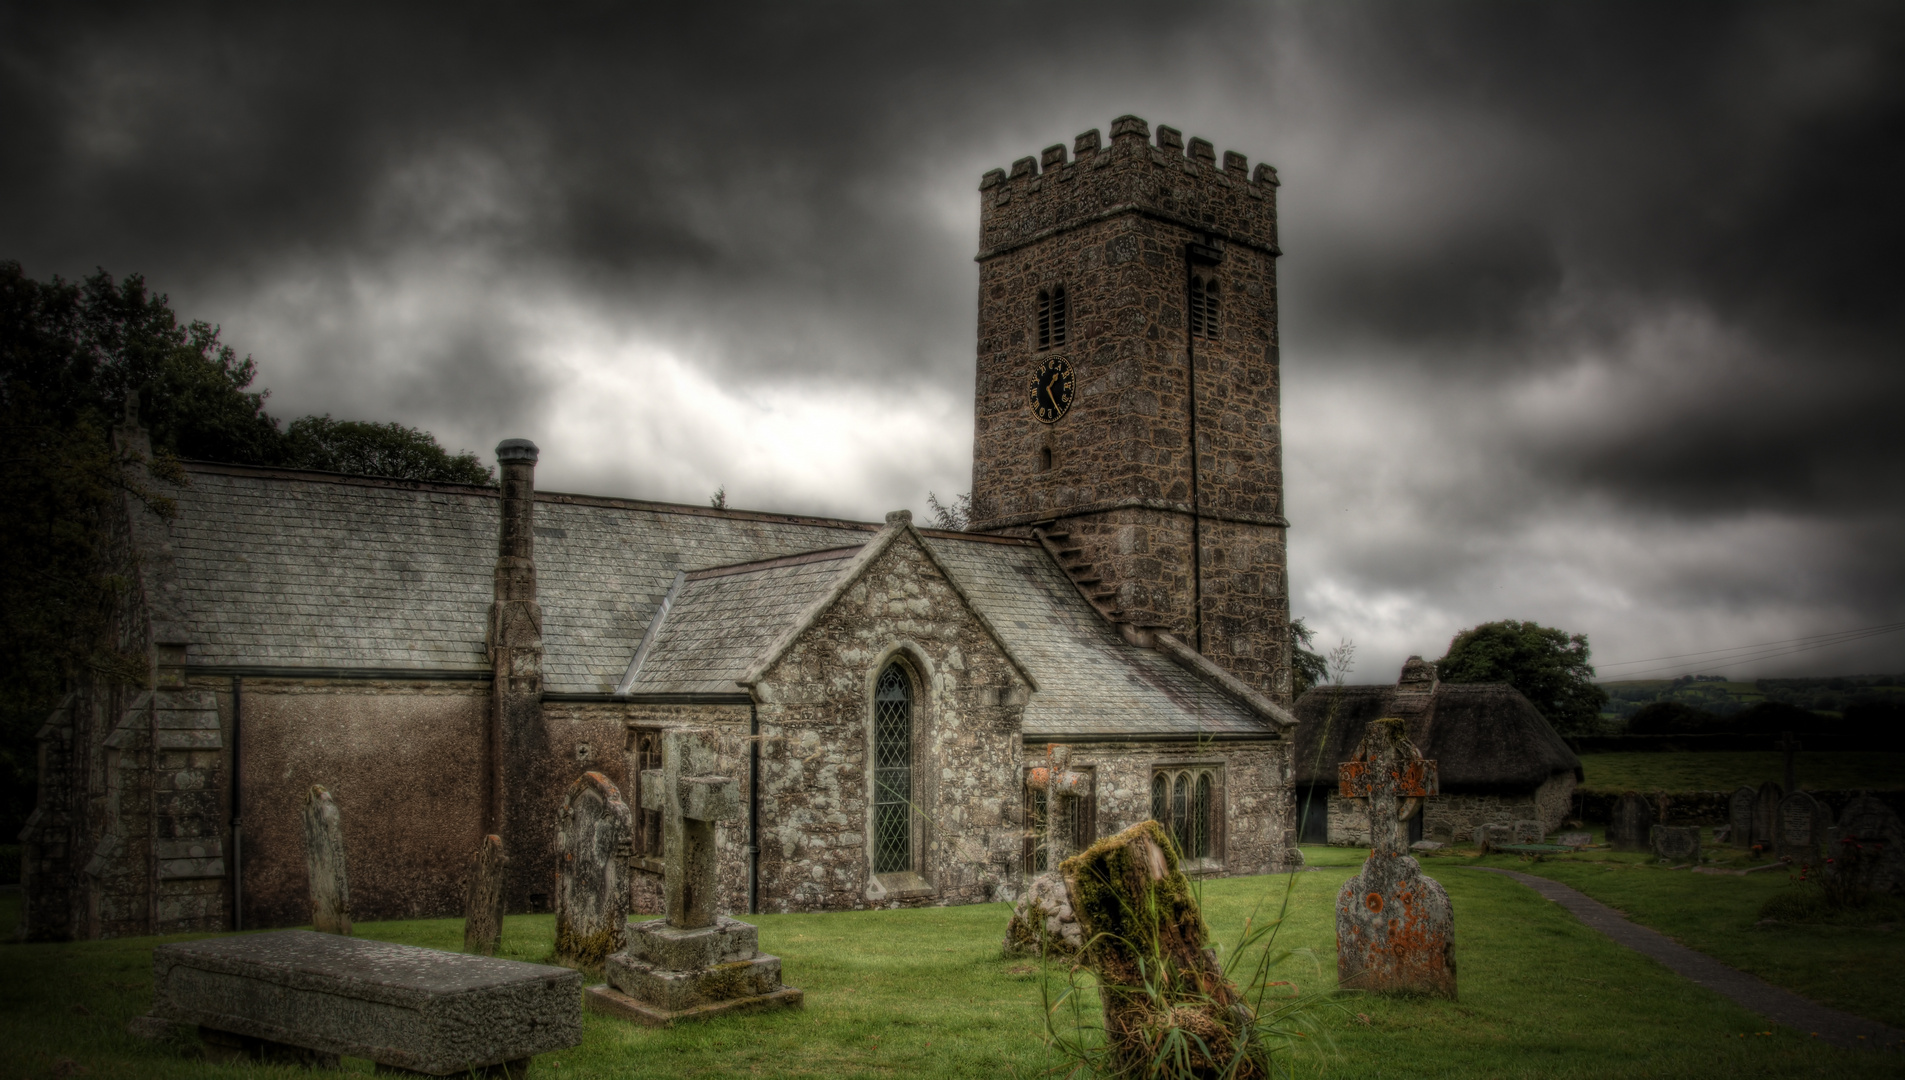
(1051, 389)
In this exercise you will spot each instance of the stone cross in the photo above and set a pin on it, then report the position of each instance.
(1739, 818)
(1791, 746)
(692, 800)
(592, 893)
(1395, 930)
(1390, 773)
(324, 860)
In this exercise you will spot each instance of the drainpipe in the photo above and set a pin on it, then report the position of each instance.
(753, 808)
(238, 829)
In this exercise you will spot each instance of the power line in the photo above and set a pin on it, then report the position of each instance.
(1850, 635)
(1769, 653)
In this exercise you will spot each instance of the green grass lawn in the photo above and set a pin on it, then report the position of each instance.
(1852, 965)
(1727, 770)
(925, 993)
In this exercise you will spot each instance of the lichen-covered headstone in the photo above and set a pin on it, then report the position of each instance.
(1395, 929)
(592, 894)
(324, 861)
(1869, 841)
(1528, 832)
(1765, 832)
(1147, 943)
(1739, 818)
(1677, 843)
(483, 901)
(1801, 828)
(1491, 837)
(1632, 823)
(1043, 923)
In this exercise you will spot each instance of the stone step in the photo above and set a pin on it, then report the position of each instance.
(1089, 580)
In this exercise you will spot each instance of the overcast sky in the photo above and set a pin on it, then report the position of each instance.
(1591, 312)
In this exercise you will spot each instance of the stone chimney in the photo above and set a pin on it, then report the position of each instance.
(515, 653)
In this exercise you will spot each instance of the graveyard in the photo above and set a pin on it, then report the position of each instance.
(927, 992)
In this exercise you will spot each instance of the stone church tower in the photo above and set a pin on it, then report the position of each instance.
(1128, 316)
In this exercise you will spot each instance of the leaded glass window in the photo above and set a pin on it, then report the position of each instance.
(645, 753)
(1189, 804)
(893, 772)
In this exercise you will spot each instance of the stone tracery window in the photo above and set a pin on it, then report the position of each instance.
(1189, 803)
(893, 772)
(1053, 317)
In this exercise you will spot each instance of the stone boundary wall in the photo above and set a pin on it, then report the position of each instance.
(1709, 807)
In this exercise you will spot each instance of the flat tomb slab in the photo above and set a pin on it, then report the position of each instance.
(608, 1001)
(420, 1009)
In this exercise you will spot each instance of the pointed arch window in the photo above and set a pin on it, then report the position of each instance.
(1053, 317)
(893, 772)
(1205, 321)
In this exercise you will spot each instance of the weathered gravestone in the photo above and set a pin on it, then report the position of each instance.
(1677, 843)
(1631, 826)
(1868, 843)
(1801, 828)
(483, 901)
(295, 996)
(1158, 978)
(324, 861)
(1395, 930)
(1492, 837)
(1739, 818)
(1528, 832)
(1765, 831)
(1574, 839)
(592, 893)
(694, 963)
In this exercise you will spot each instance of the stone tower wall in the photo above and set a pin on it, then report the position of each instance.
(1119, 226)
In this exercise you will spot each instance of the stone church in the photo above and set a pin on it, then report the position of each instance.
(915, 716)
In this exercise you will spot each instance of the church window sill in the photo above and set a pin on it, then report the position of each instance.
(907, 885)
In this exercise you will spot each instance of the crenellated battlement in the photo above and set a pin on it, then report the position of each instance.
(1170, 179)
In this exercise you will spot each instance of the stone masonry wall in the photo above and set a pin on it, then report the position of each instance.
(1114, 227)
(816, 720)
(1259, 807)
(1456, 815)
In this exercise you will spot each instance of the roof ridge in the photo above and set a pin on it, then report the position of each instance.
(796, 559)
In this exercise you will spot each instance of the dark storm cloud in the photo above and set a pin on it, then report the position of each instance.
(1618, 276)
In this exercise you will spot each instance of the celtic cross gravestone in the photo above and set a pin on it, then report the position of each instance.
(1395, 930)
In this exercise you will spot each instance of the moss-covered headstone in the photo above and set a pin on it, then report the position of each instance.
(592, 894)
(1146, 941)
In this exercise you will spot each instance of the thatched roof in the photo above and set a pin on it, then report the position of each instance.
(1482, 735)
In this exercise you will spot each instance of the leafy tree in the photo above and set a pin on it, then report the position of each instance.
(371, 449)
(1308, 668)
(1550, 667)
(953, 516)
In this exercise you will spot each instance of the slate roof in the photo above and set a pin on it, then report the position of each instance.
(288, 569)
(1091, 681)
(312, 570)
(1481, 735)
(724, 619)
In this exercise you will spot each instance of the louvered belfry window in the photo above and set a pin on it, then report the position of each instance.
(1204, 313)
(1052, 317)
(1188, 803)
(893, 772)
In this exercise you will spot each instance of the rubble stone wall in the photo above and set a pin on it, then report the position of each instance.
(815, 713)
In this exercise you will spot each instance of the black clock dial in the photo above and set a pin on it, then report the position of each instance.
(1051, 389)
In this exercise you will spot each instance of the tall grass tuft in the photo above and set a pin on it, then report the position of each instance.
(1154, 1003)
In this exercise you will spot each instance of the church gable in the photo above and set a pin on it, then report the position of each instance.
(889, 719)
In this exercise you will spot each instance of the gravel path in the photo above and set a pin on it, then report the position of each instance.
(1780, 1006)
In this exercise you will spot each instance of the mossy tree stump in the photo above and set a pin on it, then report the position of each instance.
(1165, 995)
